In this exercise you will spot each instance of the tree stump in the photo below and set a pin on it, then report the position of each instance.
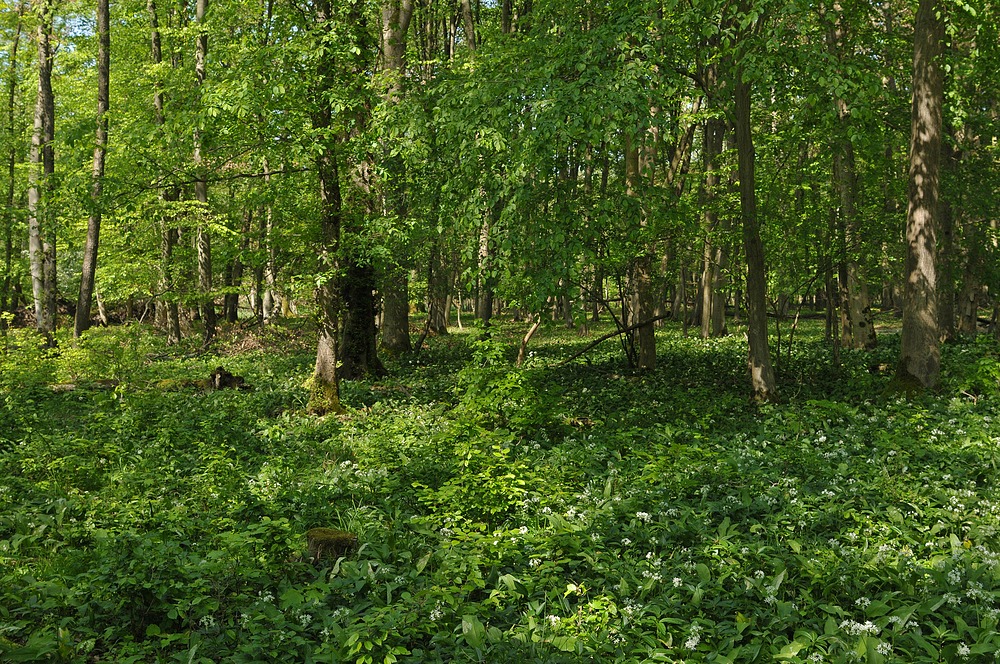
(327, 543)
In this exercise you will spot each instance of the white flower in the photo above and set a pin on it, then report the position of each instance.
(534, 562)
(964, 650)
(643, 516)
(553, 620)
(678, 582)
(862, 602)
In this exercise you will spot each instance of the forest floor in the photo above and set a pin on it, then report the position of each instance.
(547, 513)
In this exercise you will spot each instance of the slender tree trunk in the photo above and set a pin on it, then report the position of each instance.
(41, 227)
(968, 301)
(761, 374)
(641, 279)
(167, 310)
(97, 187)
(947, 266)
(7, 297)
(858, 328)
(203, 240)
(713, 312)
(920, 356)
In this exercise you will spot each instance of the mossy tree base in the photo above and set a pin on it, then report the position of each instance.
(324, 398)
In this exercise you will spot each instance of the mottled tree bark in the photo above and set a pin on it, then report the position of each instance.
(920, 356)
(41, 226)
(92, 243)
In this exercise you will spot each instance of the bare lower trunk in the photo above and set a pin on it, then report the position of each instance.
(920, 356)
(7, 297)
(100, 148)
(761, 374)
(396, 314)
(968, 301)
(41, 226)
(359, 353)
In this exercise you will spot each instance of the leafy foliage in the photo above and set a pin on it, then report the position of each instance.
(503, 514)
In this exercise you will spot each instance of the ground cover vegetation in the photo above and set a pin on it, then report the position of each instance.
(537, 513)
(334, 410)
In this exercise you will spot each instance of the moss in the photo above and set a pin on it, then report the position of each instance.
(330, 543)
(324, 398)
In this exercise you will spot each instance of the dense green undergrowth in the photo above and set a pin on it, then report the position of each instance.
(542, 514)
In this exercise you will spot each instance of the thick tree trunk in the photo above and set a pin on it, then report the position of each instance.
(396, 314)
(324, 395)
(90, 248)
(761, 374)
(396, 18)
(920, 356)
(41, 226)
(359, 353)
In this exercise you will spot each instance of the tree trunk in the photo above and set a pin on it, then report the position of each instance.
(396, 18)
(968, 301)
(641, 279)
(858, 325)
(83, 304)
(396, 314)
(203, 241)
(947, 263)
(41, 222)
(712, 299)
(7, 297)
(359, 353)
(324, 395)
(167, 310)
(920, 356)
(761, 374)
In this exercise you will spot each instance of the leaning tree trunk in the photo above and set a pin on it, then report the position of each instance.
(41, 226)
(920, 355)
(82, 322)
(761, 374)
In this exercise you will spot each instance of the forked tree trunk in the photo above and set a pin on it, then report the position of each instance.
(761, 373)
(920, 356)
(90, 248)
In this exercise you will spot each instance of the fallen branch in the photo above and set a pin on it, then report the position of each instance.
(607, 336)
